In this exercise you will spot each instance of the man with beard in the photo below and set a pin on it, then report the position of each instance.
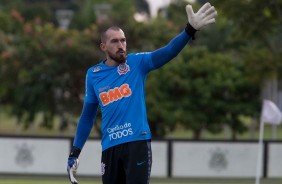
(117, 86)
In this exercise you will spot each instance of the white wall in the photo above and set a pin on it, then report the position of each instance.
(189, 159)
(208, 159)
(33, 156)
(275, 160)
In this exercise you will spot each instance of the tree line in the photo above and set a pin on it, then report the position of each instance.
(215, 81)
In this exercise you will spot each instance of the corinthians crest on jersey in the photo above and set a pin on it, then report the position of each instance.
(123, 69)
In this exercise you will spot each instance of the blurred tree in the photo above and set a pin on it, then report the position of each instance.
(5, 22)
(45, 71)
(142, 6)
(84, 15)
(43, 68)
(258, 25)
(204, 94)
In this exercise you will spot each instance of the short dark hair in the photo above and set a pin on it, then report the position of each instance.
(103, 33)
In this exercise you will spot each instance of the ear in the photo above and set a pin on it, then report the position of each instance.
(102, 46)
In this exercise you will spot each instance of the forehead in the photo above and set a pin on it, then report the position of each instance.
(114, 34)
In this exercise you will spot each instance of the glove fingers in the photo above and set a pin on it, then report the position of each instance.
(211, 16)
(71, 176)
(189, 11)
(73, 164)
(204, 8)
(210, 21)
(206, 15)
(210, 10)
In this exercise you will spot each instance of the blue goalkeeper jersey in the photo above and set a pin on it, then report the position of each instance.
(120, 92)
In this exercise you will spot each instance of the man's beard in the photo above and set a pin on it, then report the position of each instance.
(119, 58)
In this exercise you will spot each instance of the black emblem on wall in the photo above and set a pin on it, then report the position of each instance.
(24, 157)
(218, 160)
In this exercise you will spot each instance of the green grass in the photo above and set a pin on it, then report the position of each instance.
(63, 180)
(8, 125)
(183, 133)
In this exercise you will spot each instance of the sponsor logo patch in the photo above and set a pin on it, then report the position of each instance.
(140, 163)
(97, 69)
(120, 131)
(115, 94)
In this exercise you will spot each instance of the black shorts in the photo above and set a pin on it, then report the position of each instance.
(127, 163)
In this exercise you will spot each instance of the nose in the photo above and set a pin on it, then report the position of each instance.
(120, 44)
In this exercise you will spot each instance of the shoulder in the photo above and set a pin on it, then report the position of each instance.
(95, 68)
(138, 56)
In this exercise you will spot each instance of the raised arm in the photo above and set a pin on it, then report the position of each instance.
(205, 15)
(165, 54)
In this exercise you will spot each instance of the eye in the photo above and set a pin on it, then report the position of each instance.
(114, 41)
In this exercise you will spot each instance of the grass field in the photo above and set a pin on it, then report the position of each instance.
(63, 180)
(9, 126)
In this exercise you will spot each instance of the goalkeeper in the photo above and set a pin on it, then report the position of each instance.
(117, 86)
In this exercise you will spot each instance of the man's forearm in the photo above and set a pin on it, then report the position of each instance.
(85, 124)
(171, 50)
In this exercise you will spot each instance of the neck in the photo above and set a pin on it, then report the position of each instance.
(111, 62)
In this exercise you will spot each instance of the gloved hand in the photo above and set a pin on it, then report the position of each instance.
(205, 15)
(73, 163)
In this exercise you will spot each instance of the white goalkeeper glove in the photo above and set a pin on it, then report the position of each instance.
(73, 163)
(205, 15)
